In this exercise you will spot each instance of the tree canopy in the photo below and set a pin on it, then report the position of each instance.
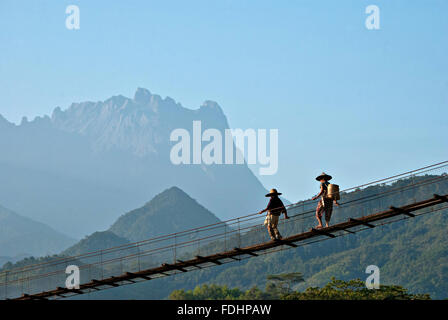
(334, 290)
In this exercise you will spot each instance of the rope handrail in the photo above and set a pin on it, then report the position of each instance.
(219, 236)
(266, 247)
(209, 227)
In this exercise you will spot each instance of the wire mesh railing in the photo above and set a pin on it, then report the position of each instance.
(221, 237)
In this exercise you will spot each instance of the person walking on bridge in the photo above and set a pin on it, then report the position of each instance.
(275, 208)
(325, 204)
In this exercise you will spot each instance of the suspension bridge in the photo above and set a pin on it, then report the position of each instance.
(400, 197)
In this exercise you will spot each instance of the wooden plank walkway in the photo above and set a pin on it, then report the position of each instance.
(234, 254)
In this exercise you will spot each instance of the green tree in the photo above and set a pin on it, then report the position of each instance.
(284, 282)
(334, 290)
(207, 292)
(354, 290)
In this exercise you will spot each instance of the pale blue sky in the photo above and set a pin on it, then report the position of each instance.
(359, 104)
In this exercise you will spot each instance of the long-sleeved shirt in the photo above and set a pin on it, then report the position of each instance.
(276, 206)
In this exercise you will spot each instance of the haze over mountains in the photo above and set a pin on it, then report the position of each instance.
(411, 253)
(79, 169)
(96, 241)
(168, 212)
(21, 236)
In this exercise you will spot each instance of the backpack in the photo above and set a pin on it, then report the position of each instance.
(333, 192)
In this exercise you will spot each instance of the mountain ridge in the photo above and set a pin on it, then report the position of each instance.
(22, 236)
(95, 160)
(411, 252)
(168, 212)
(96, 241)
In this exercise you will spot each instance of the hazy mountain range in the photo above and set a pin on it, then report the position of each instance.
(411, 253)
(96, 241)
(168, 212)
(79, 169)
(21, 236)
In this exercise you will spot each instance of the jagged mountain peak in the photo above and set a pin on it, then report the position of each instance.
(143, 102)
(210, 106)
(117, 101)
(142, 95)
(141, 125)
(97, 159)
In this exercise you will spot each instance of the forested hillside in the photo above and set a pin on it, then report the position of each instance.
(411, 253)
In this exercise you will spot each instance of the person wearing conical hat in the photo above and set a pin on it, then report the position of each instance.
(325, 204)
(275, 208)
